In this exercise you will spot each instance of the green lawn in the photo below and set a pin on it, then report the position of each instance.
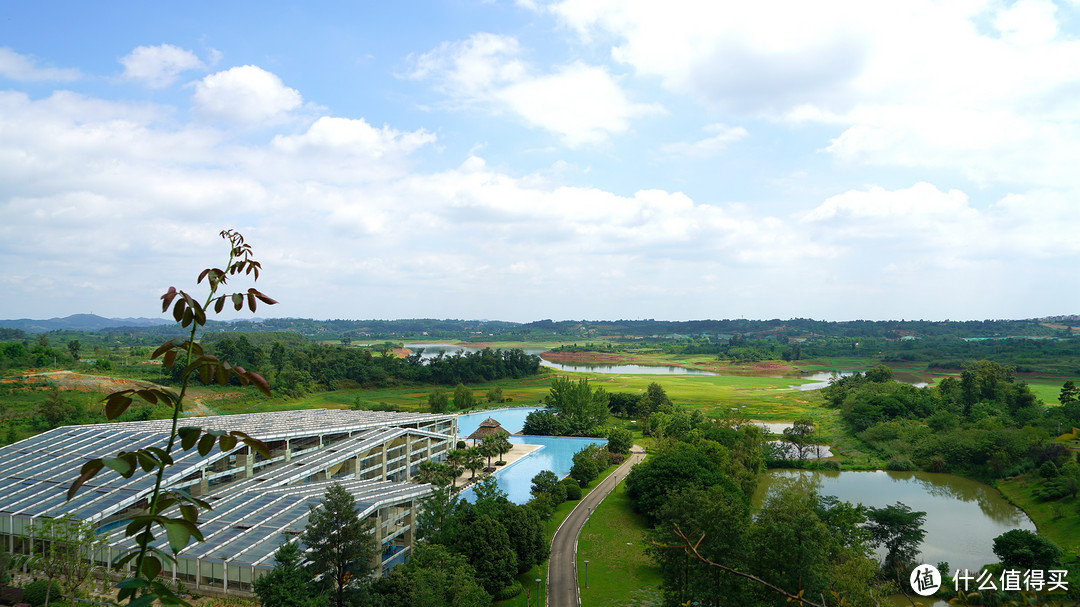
(613, 541)
(1056, 520)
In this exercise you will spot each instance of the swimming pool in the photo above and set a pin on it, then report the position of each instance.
(555, 454)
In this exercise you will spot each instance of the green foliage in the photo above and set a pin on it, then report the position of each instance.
(719, 516)
(900, 531)
(649, 483)
(287, 584)
(495, 395)
(36, 593)
(340, 544)
(485, 544)
(509, 592)
(789, 544)
(543, 422)
(620, 440)
(588, 463)
(578, 409)
(1023, 549)
(434, 576)
(463, 398)
(573, 489)
(543, 482)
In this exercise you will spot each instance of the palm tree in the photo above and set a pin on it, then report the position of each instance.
(456, 460)
(474, 460)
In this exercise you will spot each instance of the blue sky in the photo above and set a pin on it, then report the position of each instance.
(594, 159)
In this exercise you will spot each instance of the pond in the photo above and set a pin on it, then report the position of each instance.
(963, 516)
(555, 453)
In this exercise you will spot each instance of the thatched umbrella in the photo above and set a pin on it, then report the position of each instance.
(488, 427)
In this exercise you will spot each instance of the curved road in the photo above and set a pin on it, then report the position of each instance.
(562, 580)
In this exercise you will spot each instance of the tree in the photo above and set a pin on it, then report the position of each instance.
(579, 408)
(502, 444)
(655, 399)
(73, 347)
(1069, 393)
(682, 465)
(434, 576)
(720, 516)
(543, 422)
(789, 543)
(61, 551)
(287, 585)
(1023, 549)
(463, 398)
(486, 545)
(543, 482)
(495, 395)
(438, 401)
(800, 436)
(341, 546)
(620, 440)
(473, 460)
(899, 529)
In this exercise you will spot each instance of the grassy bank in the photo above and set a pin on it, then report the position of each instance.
(1055, 520)
(619, 571)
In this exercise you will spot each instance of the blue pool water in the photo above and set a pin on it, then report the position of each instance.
(555, 454)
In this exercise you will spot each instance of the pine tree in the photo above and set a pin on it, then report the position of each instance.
(342, 548)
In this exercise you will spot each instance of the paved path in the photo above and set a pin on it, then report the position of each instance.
(562, 580)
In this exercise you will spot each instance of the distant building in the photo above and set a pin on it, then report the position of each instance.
(256, 502)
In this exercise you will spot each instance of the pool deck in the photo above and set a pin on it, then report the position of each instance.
(511, 456)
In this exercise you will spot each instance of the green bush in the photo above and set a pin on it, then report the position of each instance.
(899, 464)
(34, 593)
(573, 490)
(509, 592)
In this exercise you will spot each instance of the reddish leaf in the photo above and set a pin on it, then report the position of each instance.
(116, 404)
(254, 443)
(167, 298)
(170, 359)
(165, 347)
(251, 302)
(260, 383)
(262, 297)
(89, 470)
(188, 317)
(219, 305)
(202, 275)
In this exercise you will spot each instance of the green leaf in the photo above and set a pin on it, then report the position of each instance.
(254, 443)
(206, 444)
(132, 582)
(146, 600)
(161, 455)
(178, 310)
(179, 533)
(146, 460)
(120, 465)
(227, 442)
(89, 470)
(151, 567)
(190, 513)
(189, 435)
(238, 301)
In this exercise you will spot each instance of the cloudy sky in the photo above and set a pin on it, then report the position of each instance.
(565, 159)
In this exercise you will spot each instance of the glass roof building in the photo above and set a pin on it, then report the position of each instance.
(257, 502)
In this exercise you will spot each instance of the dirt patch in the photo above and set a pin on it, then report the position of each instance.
(68, 380)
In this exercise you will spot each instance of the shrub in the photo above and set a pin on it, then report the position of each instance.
(573, 490)
(899, 464)
(34, 593)
(509, 592)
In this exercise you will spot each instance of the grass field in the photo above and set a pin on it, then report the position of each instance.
(619, 571)
(1057, 520)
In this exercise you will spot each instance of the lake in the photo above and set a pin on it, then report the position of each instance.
(432, 350)
(963, 516)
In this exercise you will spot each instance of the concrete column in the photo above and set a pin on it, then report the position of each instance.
(408, 457)
(288, 451)
(249, 464)
(384, 461)
(358, 466)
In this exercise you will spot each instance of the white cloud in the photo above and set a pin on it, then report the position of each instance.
(25, 69)
(708, 146)
(245, 94)
(984, 88)
(159, 66)
(580, 103)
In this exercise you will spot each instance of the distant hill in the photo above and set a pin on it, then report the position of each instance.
(80, 322)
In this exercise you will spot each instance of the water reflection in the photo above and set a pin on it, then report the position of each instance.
(963, 516)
